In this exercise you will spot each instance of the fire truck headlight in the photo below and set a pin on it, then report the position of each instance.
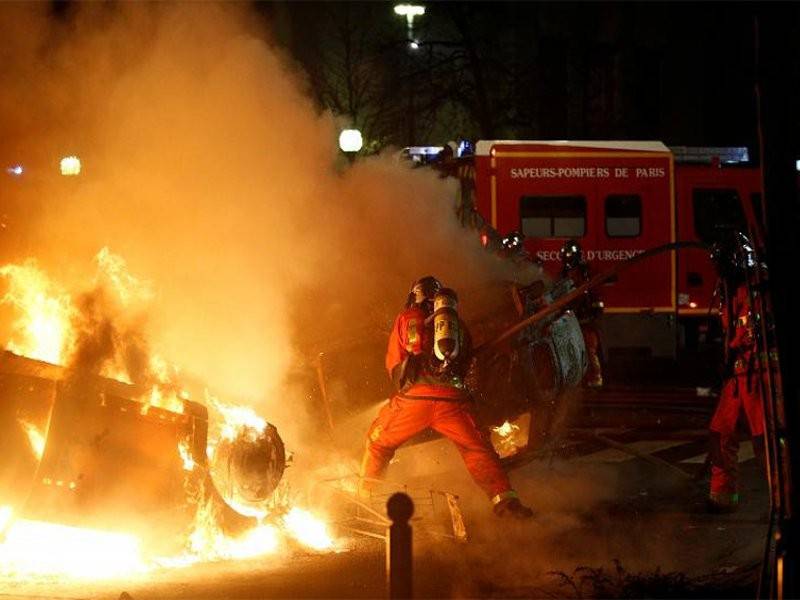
(15, 170)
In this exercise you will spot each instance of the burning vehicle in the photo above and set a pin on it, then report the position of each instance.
(98, 454)
(82, 450)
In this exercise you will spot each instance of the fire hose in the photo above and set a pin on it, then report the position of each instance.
(592, 283)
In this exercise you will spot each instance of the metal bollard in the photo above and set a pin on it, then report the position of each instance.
(398, 546)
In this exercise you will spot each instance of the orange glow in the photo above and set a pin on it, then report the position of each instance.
(113, 271)
(5, 518)
(511, 436)
(33, 547)
(235, 417)
(46, 549)
(42, 330)
(165, 393)
(308, 529)
(186, 456)
(70, 165)
(207, 542)
(46, 328)
(35, 438)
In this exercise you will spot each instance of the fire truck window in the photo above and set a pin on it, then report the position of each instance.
(623, 215)
(552, 216)
(716, 210)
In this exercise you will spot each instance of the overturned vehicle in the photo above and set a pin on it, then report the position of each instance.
(84, 450)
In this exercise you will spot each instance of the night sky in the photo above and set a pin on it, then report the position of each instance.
(679, 72)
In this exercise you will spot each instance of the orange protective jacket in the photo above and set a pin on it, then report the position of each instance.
(412, 334)
(740, 345)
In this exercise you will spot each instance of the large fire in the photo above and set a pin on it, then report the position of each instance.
(47, 549)
(43, 329)
(46, 328)
(37, 548)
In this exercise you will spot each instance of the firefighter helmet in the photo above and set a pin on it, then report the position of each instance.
(570, 254)
(733, 254)
(423, 291)
(513, 241)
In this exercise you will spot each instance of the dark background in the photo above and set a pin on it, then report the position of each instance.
(679, 72)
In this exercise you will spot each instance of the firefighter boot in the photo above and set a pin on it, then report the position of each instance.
(512, 508)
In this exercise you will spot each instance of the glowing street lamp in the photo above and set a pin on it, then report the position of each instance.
(70, 165)
(410, 12)
(350, 140)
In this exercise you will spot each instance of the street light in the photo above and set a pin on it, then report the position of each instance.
(70, 165)
(350, 140)
(410, 12)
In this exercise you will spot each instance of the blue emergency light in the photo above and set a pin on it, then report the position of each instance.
(736, 155)
(465, 148)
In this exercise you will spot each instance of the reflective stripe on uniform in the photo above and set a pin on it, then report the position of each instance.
(504, 496)
(412, 335)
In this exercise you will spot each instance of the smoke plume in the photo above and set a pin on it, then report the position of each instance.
(209, 169)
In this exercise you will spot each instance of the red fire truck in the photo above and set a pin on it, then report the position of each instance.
(618, 199)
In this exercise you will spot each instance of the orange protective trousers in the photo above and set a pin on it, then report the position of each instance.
(740, 393)
(400, 419)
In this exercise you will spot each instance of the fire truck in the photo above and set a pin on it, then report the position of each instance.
(618, 199)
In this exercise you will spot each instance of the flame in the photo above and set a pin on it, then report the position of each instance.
(511, 436)
(186, 456)
(308, 529)
(235, 418)
(112, 270)
(505, 429)
(165, 393)
(208, 543)
(43, 330)
(33, 547)
(35, 437)
(5, 518)
(45, 549)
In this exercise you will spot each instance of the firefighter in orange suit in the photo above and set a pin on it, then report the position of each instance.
(588, 309)
(427, 360)
(741, 388)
